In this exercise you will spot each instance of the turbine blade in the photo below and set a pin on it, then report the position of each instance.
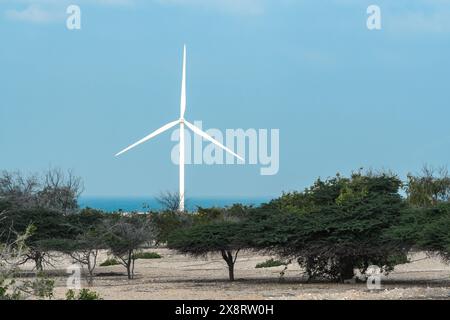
(151, 135)
(208, 137)
(183, 86)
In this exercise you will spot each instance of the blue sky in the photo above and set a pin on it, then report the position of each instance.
(342, 96)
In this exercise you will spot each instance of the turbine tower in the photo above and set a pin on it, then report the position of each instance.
(182, 122)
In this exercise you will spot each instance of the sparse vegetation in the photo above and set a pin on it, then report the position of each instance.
(336, 226)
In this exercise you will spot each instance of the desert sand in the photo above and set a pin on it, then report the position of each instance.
(177, 276)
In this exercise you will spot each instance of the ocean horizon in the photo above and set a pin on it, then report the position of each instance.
(142, 204)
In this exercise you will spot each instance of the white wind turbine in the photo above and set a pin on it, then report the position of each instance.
(181, 122)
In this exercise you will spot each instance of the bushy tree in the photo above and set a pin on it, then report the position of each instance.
(11, 254)
(167, 222)
(84, 236)
(47, 224)
(43, 201)
(125, 235)
(217, 237)
(213, 230)
(54, 189)
(60, 191)
(338, 226)
(429, 187)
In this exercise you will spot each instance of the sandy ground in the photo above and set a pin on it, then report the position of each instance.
(176, 276)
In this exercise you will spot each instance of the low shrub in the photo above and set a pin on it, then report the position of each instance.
(83, 294)
(270, 263)
(109, 262)
(147, 255)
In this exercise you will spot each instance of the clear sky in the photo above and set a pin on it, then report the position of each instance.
(343, 97)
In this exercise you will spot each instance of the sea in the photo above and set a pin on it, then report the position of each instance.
(143, 204)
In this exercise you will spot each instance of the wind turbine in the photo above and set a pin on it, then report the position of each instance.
(182, 122)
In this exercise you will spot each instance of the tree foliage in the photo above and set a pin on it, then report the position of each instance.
(167, 222)
(428, 188)
(335, 226)
(426, 229)
(216, 237)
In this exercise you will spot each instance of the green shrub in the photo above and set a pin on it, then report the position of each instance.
(147, 255)
(270, 263)
(109, 262)
(83, 294)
